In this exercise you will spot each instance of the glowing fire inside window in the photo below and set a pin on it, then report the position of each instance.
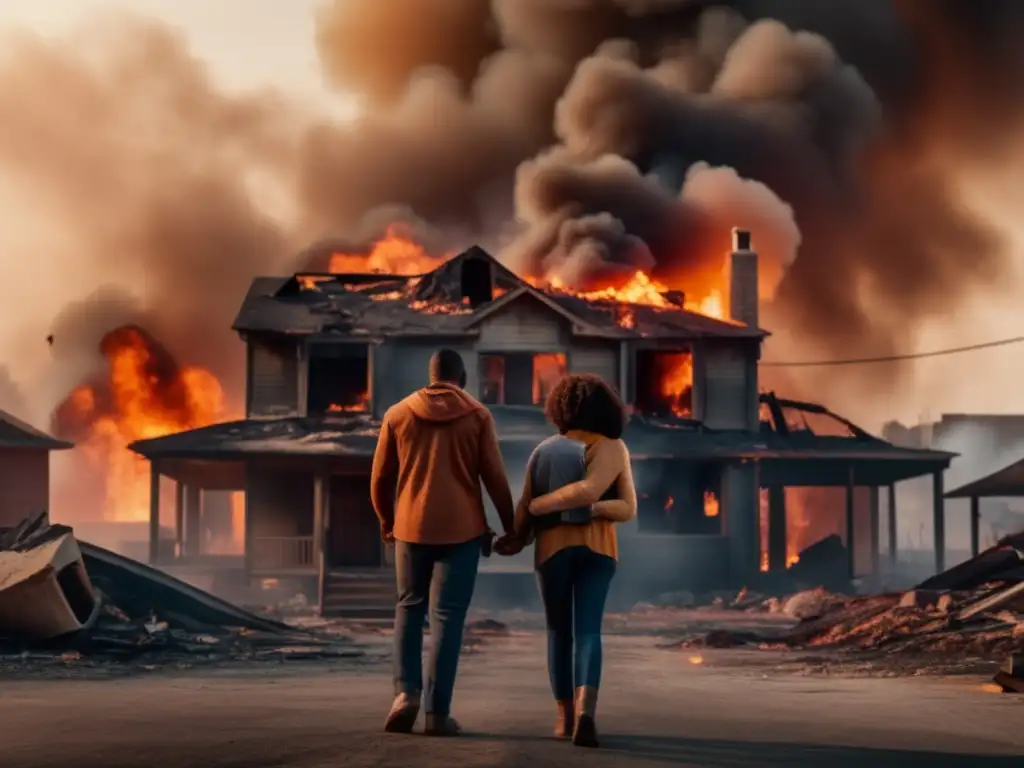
(520, 378)
(338, 378)
(664, 382)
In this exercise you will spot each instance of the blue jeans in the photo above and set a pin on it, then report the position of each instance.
(574, 587)
(444, 575)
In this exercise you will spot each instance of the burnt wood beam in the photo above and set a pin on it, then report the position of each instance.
(939, 521)
(777, 528)
(179, 519)
(154, 513)
(320, 490)
(850, 526)
(891, 512)
(975, 526)
(875, 522)
(193, 521)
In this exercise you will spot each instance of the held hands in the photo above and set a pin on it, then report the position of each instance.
(509, 544)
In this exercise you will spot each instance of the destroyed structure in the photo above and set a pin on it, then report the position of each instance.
(327, 354)
(993, 438)
(24, 469)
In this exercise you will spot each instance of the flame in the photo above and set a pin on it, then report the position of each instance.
(360, 404)
(675, 380)
(396, 253)
(669, 503)
(144, 394)
(711, 506)
(548, 369)
(641, 288)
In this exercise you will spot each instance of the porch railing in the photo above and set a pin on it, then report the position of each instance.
(271, 553)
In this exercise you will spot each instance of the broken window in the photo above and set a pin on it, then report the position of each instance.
(339, 378)
(519, 378)
(664, 383)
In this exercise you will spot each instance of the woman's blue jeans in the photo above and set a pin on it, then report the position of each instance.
(574, 587)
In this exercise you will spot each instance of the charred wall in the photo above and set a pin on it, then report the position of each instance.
(272, 386)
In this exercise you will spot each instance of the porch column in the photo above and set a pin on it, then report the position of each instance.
(891, 511)
(193, 521)
(154, 512)
(939, 521)
(179, 519)
(850, 527)
(320, 517)
(739, 504)
(777, 528)
(875, 532)
(975, 526)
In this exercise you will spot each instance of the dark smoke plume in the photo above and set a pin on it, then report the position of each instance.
(590, 136)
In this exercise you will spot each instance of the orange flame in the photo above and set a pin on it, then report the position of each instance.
(396, 253)
(642, 289)
(711, 506)
(144, 394)
(548, 369)
(361, 404)
(675, 381)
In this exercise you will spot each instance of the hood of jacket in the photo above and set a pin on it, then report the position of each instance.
(441, 402)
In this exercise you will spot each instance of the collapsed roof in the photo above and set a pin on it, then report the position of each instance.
(436, 304)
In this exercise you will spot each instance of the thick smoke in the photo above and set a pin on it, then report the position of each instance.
(590, 136)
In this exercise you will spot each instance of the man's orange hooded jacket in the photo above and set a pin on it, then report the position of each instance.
(435, 448)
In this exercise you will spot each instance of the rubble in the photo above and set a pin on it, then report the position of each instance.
(972, 613)
(44, 589)
(64, 601)
(1010, 676)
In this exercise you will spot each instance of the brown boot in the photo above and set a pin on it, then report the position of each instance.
(565, 722)
(442, 725)
(585, 732)
(403, 714)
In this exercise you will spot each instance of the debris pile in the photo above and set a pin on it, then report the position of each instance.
(974, 610)
(65, 600)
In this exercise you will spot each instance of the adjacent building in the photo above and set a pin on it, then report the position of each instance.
(24, 469)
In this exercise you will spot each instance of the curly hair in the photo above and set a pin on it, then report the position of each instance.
(584, 401)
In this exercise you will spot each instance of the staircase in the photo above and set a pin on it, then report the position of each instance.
(362, 595)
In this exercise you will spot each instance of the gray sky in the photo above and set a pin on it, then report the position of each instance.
(247, 43)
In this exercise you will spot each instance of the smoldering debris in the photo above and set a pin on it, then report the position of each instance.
(977, 616)
(61, 605)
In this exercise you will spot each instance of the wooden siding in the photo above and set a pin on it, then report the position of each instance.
(727, 391)
(525, 326)
(273, 378)
(24, 484)
(599, 359)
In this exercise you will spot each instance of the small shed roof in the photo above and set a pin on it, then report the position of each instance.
(1008, 481)
(15, 433)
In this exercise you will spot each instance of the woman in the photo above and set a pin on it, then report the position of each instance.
(578, 486)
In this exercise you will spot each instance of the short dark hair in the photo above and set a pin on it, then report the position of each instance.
(587, 402)
(446, 366)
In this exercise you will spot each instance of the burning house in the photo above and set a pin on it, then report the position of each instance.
(328, 353)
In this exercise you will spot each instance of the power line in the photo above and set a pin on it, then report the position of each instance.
(895, 358)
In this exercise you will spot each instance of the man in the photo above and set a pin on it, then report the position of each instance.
(435, 448)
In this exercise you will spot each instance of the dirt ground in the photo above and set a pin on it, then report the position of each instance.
(659, 708)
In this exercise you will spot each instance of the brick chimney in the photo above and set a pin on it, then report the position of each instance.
(741, 276)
